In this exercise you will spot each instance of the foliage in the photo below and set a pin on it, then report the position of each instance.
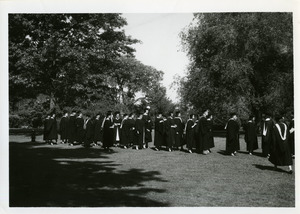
(69, 53)
(240, 62)
(74, 61)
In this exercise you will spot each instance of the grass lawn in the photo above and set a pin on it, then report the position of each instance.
(42, 175)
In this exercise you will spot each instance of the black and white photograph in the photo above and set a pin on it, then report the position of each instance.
(156, 105)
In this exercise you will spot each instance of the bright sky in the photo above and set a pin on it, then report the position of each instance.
(160, 47)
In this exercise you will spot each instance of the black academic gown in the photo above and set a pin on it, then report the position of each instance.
(46, 129)
(125, 132)
(72, 129)
(165, 133)
(98, 130)
(89, 132)
(63, 128)
(108, 133)
(159, 132)
(170, 132)
(131, 126)
(280, 154)
(178, 131)
(232, 133)
(196, 135)
(139, 132)
(79, 129)
(202, 134)
(52, 129)
(267, 126)
(206, 132)
(251, 136)
(117, 132)
(148, 128)
(189, 135)
(292, 137)
(209, 137)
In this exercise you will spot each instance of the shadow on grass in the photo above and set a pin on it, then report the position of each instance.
(48, 176)
(271, 168)
(258, 154)
(223, 152)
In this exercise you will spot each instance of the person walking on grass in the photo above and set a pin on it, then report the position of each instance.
(52, 137)
(139, 131)
(178, 131)
(79, 128)
(108, 131)
(148, 127)
(159, 132)
(170, 131)
(189, 133)
(292, 136)
(117, 132)
(98, 129)
(64, 128)
(89, 128)
(251, 135)
(280, 154)
(72, 128)
(209, 136)
(232, 133)
(46, 128)
(125, 130)
(131, 127)
(266, 137)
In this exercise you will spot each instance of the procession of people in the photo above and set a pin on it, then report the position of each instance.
(171, 133)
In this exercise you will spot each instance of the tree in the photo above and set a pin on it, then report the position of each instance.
(83, 61)
(64, 56)
(130, 76)
(239, 62)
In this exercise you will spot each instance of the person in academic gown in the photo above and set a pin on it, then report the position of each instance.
(46, 128)
(196, 133)
(178, 131)
(63, 128)
(108, 131)
(251, 135)
(189, 133)
(170, 131)
(208, 136)
(202, 143)
(292, 136)
(200, 134)
(148, 127)
(89, 131)
(125, 132)
(159, 131)
(98, 129)
(232, 133)
(72, 128)
(79, 128)
(267, 126)
(117, 133)
(131, 126)
(280, 154)
(139, 131)
(52, 129)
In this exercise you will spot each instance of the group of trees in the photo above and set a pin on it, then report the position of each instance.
(240, 62)
(76, 60)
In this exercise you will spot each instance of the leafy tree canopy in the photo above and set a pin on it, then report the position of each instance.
(239, 62)
(77, 60)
